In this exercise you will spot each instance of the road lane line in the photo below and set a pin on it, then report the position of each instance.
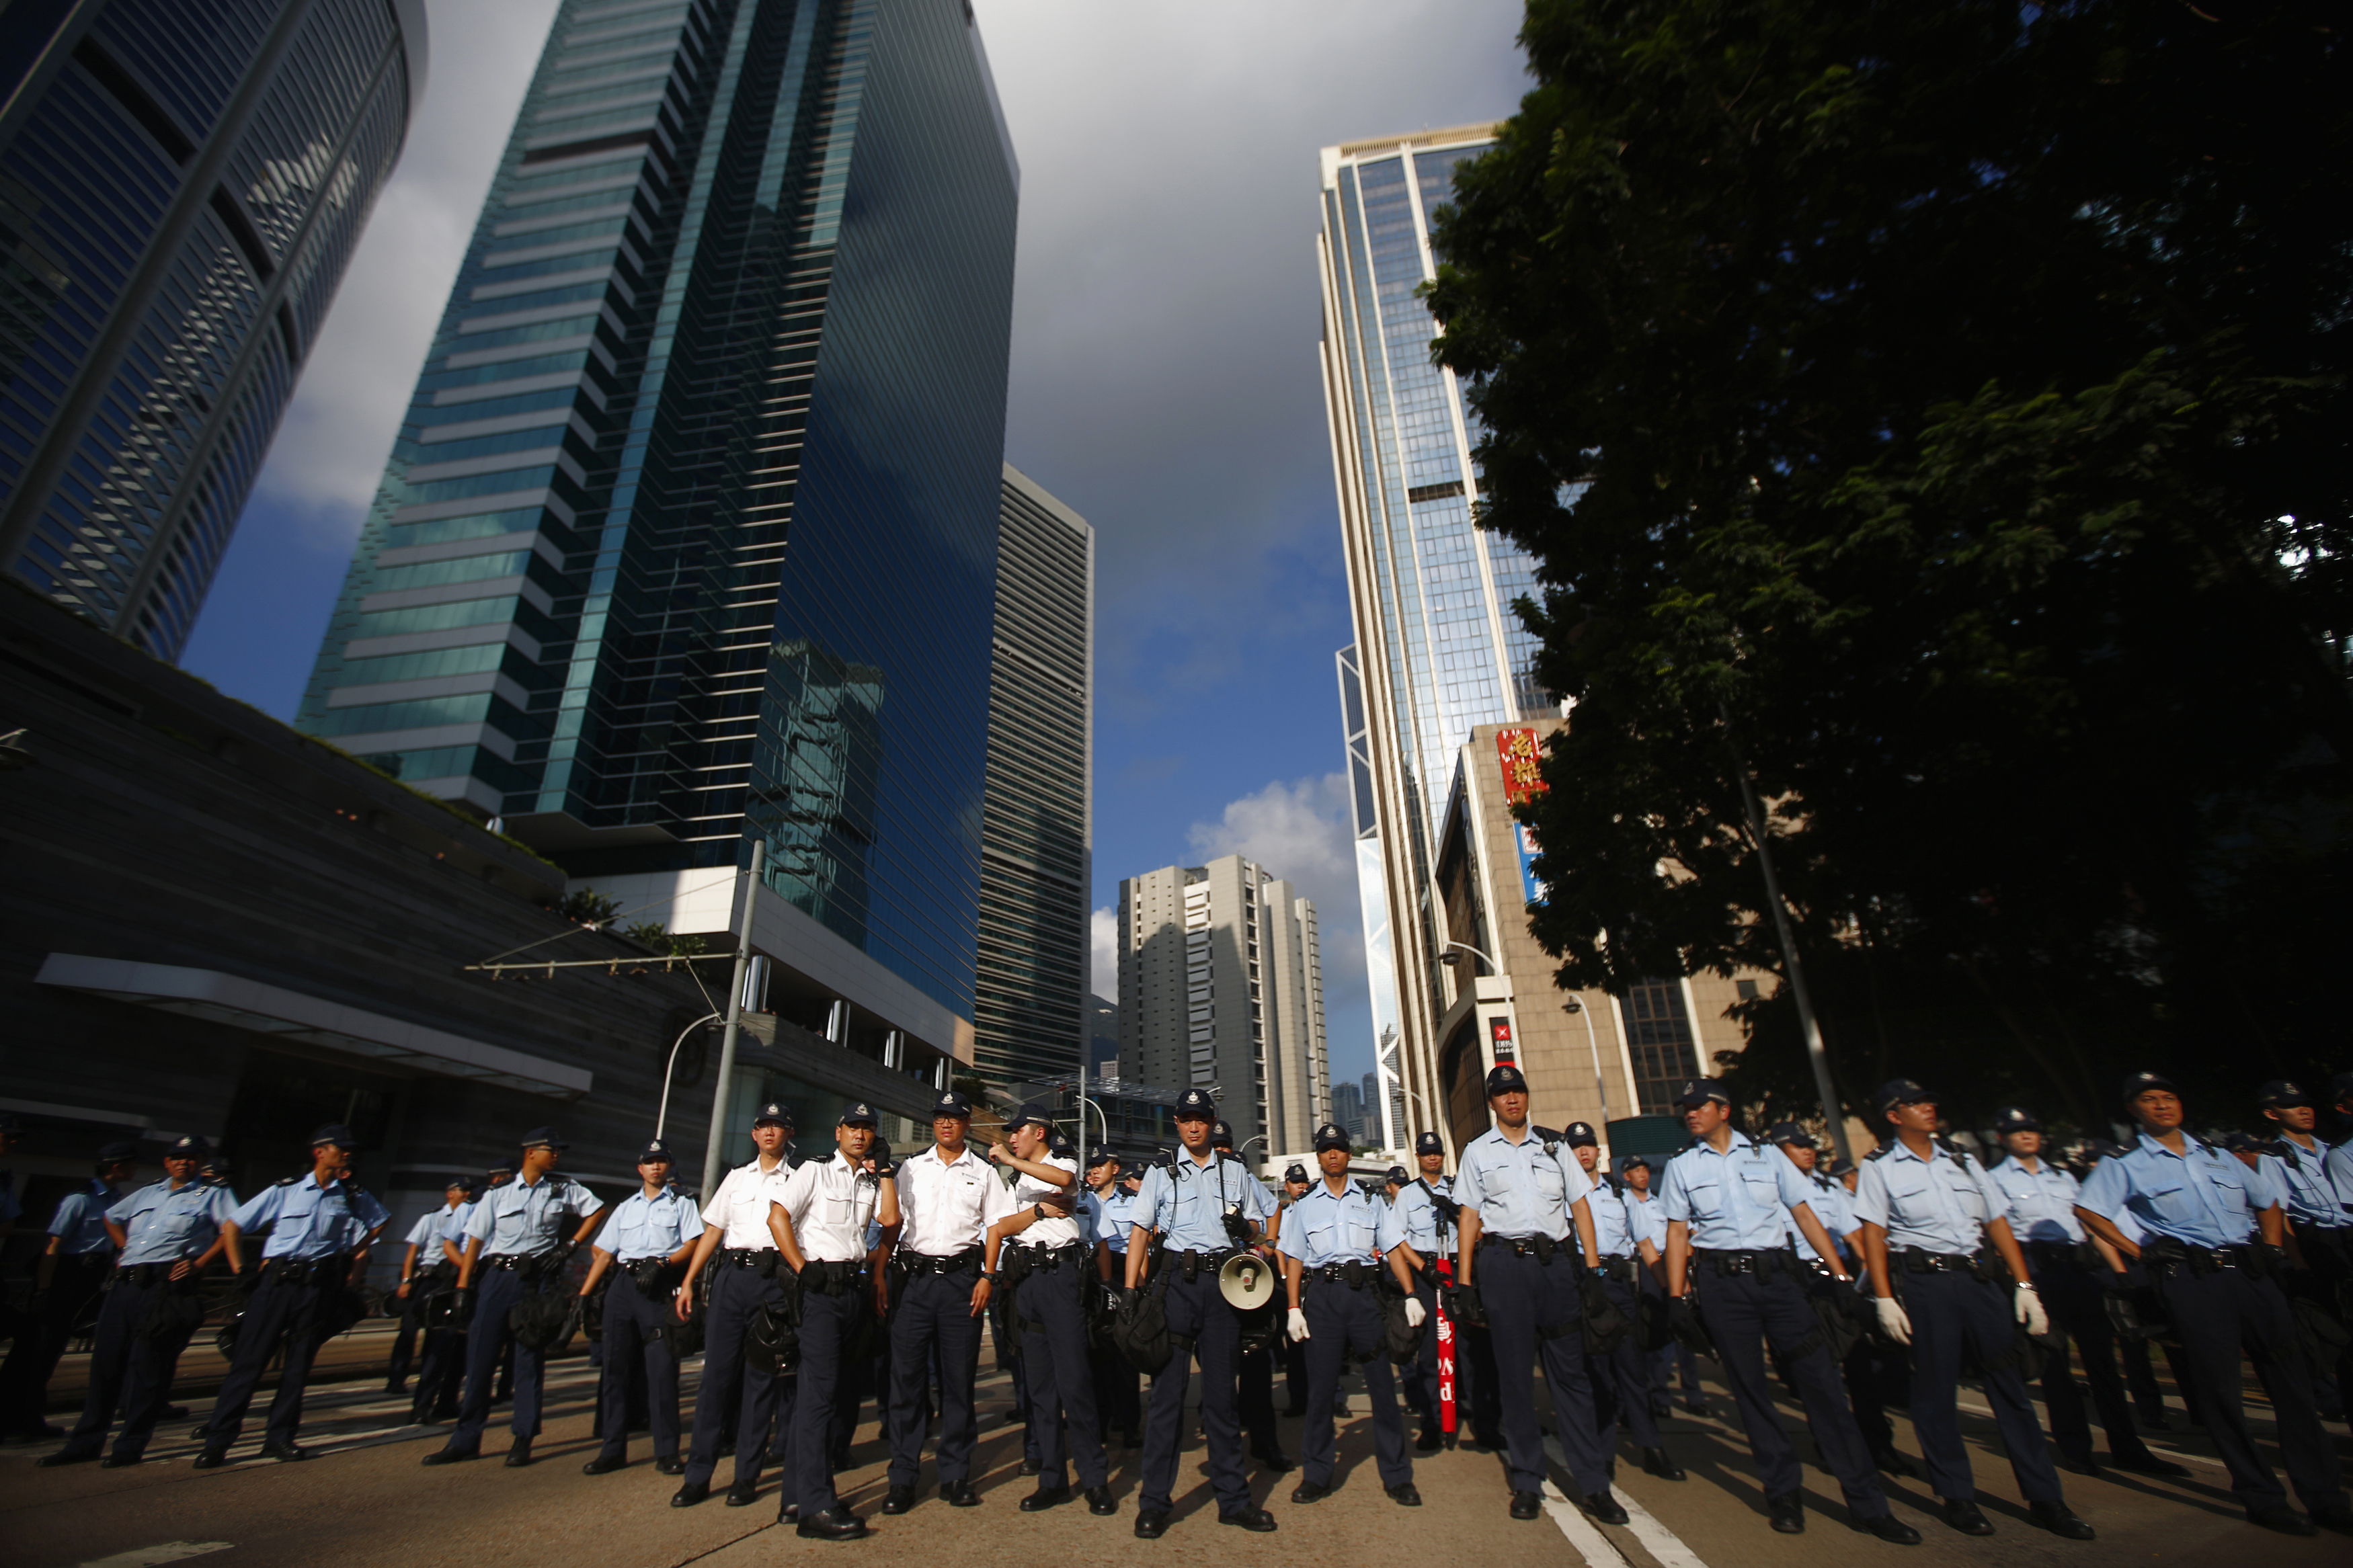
(1584, 1536)
(1657, 1538)
(150, 1556)
(1987, 1410)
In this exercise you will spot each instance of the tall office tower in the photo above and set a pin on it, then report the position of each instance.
(180, 184)
(1034, 1016)
(1349, 1109)
(1438, 648)
(1196, 1008)
(690, 533)
(1298, 1097)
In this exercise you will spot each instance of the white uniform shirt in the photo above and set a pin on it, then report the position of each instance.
(830, 1203)
(947, 1205)
(740, 1207)
(1054, 1230)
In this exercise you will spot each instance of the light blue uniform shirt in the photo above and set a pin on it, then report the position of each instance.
(1425, 1231)
(1832, 1203)
(1647, 1219)
(166, 1226)
(2266, 1183)
(1613, 1232)
(2339, 1167)
(2201, 1196)
(1350, 1228)
(427, 1233)
(1941, 1203)
(307, 1220)
(1108, 1218)
(1520, 1191)
(1733, 1201)
(529, 1220)
(2310, 1196)
(641, 1226)
(2041, 1201)
(80, 1224)
(1187, 1206)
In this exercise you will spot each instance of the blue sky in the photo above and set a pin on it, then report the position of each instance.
(1164, 384)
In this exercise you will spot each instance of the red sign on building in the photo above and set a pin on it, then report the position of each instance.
(1499, 1031)
(1521, 758)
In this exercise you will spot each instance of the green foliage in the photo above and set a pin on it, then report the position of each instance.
(1940, 411)
(658, 936)
(587, 906)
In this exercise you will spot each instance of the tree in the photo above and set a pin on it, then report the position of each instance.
(1939, 412)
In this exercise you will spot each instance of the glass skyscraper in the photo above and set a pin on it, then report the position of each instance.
(689, 535)
(1438, 648)
(1036, 842)
(182, 182)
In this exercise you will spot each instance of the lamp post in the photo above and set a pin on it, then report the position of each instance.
(1576, 1009)
(714, 1153)
(661, 1120)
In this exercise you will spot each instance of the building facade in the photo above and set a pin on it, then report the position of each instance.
(688, 541)
(1032, 1018)
(1299, 1097)
(182, 182)
(1437, 648)
(1197, 1008)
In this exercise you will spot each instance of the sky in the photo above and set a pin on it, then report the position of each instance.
(1164, 384)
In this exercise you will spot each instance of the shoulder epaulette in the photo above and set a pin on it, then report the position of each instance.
(1880, 1153)
(2283, 1150)
(288, 1182)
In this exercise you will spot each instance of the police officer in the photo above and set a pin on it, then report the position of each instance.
(646, 1244)
(1204, 1206)
(72, 1271)
(311, 1256)
(2320, 1226)
(740, 1285)
(516, 1244)
(1649, 1223)
(948, 1197)
(1423, 1260)
(1255, 1377)
(1332, 1241)
(424, 1244)
(2062, 1261)
(1621, 1382)
(818, 1219)
(1521, 1197)
(1108, 1206)
(168, 1234)
(427, 1285)
(1051, 1271)
(1871, 1369)
(2211, 1253)
(1729, 1265)
(1926, 1206)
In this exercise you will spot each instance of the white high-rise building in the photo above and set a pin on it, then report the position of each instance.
(1221, 986)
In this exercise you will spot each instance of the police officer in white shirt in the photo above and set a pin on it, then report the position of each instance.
(1038, 1250)
(819, 1220)
(737, 1266)
(948, 1197)
(646, 1244)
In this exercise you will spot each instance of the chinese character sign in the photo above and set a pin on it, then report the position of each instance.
(1522, 759)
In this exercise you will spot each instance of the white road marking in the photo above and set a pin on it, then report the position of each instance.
(1583, 1534)
(1657, 1538)
(149, 1556)
(1987, 1410)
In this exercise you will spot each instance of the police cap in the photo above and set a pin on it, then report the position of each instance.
(1059, 1143)
(117, 1153)
(1700, 1091)
(2281, 1095)
(1296, 1173)
(2140, 1083)
(1398, 1174)
(1195, 1105)
(857, 1113)
(544, 1138)
(951, 1103)
(2012, 1118)
(1429, 1144)
(1505, 1079)
(1581, 1134)
(1631, 1161)
(776, 1110)
(1790, 1132)
(654, 1148)
(1898, 1091)
(1030, 1115)
(1331, 1135)
(187, 1146)
(1221, 1135)
(335, 1134)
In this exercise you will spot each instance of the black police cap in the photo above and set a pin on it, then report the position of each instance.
(951, 1103)
(2281, 1095)
(1195, 1105)
(1505, 1079)
(1898, 1091)
(2012, 1118)
(1790, 1132)
(1631, 1161)
(1221, 1135)
(2140, 1083)
(1030, 1115)
(1295, 1173)
(544, 1138)
(117, 1153)
(1397, 1174)
(654, 1148)
(858, 1113)
(1700, 1091)
(188, 1146)
(1059, 1143)
(1098, 1158)
(335, 1134)
(776, 1110)
(1581, 1134)
(1332, 1135)
(1429, 1144)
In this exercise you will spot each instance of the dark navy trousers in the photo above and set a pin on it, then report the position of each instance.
(1742, 1312)
(2077, 1303)
(732, 1296)
(2216, 1314)
(1343, 1323)
(497, 1293)
(1621, 1379)
(828, 1321)
(633, 1338)
(276, 1311)
(1534, 1314)
(128, 1370)
(1956, 1318)
(1062, 1417)
(1198, 1312)
(935, 1318)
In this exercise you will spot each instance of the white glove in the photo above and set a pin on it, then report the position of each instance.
(1414, 1313)
(2031, 1312)
(1298, 1324)
(1892, 1319)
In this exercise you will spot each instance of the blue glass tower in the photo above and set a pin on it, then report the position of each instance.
(690, 533)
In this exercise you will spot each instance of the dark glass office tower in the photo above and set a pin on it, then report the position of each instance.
(690, 531)
(1035, 840)
(180, 184)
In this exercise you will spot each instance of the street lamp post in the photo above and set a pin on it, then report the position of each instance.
(1577, 1008)
(661, 1118)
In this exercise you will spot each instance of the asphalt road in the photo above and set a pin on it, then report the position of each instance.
(363, 1500)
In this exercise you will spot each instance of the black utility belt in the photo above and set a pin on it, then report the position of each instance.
(764, 1258)
(939, 1263)
(146, 1274)
(1055, 1257)
(1619, 1268)
(2064, 1254)
(1543, 1249)
(1760, 1262)
(1355, 1274)
(334, 1267)
(835, 1277)
(2174, 1254)
(1918, 1260)
(1197, 1264)
(524, 1265)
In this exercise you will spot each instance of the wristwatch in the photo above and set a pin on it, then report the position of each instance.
(1038, 1213)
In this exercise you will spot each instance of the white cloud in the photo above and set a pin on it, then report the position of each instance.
(1303, 832)
(1102, 941)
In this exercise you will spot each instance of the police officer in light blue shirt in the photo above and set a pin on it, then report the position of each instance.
(169, 1233)
(517, 1239)
(646, 1244)
(430, 1290)
(1203, 1206)
(1332, 1241)
(1728, 1262)
(71, 1272)
(2321, 1225)
(310, 1259)
(1523, 1198)
(2211, 1252)
(1108, 1210)
(1423, 1262)
(1621, 1376)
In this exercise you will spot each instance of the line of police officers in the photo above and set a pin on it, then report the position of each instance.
(798, 1267)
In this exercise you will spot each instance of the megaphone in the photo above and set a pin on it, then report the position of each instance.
(1247, 1281)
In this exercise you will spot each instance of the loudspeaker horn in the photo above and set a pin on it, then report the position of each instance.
(1247, 1281)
